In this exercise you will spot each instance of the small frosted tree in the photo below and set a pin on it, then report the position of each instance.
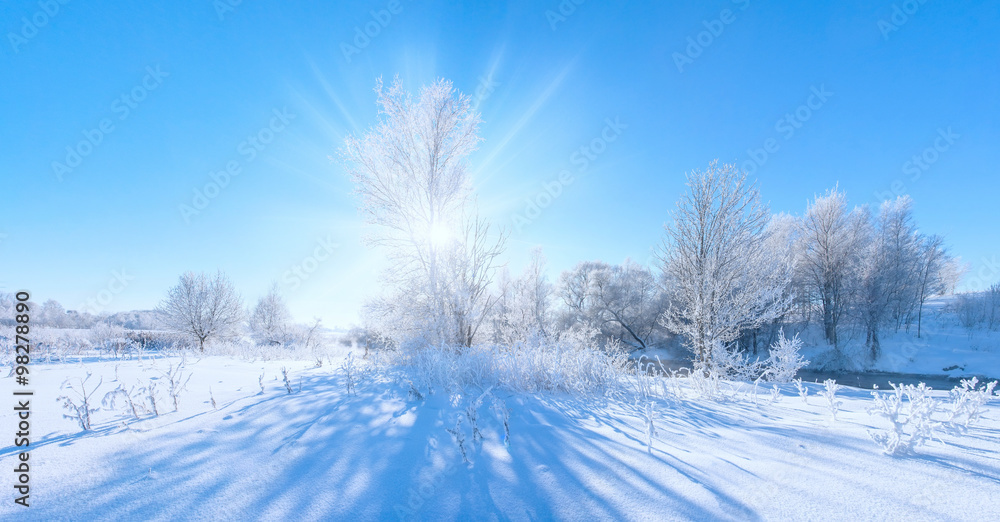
(270, 317)
(785, 360)
(714, 253)
(202, 307)
(523, 309)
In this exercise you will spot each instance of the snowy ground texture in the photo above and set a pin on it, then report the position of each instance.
(383, 452)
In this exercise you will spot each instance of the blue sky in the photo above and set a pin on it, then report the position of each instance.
(843, 94)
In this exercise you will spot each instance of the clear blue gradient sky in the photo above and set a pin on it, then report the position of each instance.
(686, 82)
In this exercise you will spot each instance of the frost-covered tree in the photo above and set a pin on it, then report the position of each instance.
(933, 261)
(873, 284)
(890, 275)
(715, 253)
(901, 242)
(411, 174)
(832, 238)
(622, 302)
(783, 242)
(269, 319)
(53, 314)
(202, 307)
(523, 309)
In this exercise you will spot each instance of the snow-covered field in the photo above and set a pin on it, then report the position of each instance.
(382, 452)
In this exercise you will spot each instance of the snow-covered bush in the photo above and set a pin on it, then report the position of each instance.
(775, 394)
(176, 382)
(349, 373)
(78, 406)
(911, 419)
(830, 389)
(129, 398)
(572, 364)
(459, 437)
(729, 362)
(967, 401)
(785, 361)
(649, 415)
(803, 391)
(110, 338)
(151, 397)
(500, 409)
(472, 413)
(706, 384)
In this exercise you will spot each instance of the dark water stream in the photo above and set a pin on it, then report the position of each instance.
(863, 380)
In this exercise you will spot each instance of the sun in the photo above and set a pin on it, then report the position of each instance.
(439, 235)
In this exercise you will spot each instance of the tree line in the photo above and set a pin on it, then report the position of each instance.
(729, 273)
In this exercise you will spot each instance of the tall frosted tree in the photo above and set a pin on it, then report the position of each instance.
(269, 319)
(715, 253)
(202, 307)
(934, 261)
(832, 237)
(411, 174)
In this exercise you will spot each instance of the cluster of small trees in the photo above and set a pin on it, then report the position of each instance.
(874, 268)
(50, 313)
(730, 272)
(206, 307)
(979, 310)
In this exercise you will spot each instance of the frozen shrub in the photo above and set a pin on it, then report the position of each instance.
(110, 338)
(459, 437)
(803, 391)
(967, 401)
(284, 376)
(785, 360)
(414, 394)
(830, 389)
(730, 363)
(472, 413)
(176, 382)
(78, 406)
(349, 373)
(706, 384)
(559, 365)
(151, 396)
(775, 394)
(503, 415)
(648, 416)
(911, 419)
(129, 398)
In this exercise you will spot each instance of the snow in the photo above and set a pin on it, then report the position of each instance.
(944, 348)
(321, 454)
